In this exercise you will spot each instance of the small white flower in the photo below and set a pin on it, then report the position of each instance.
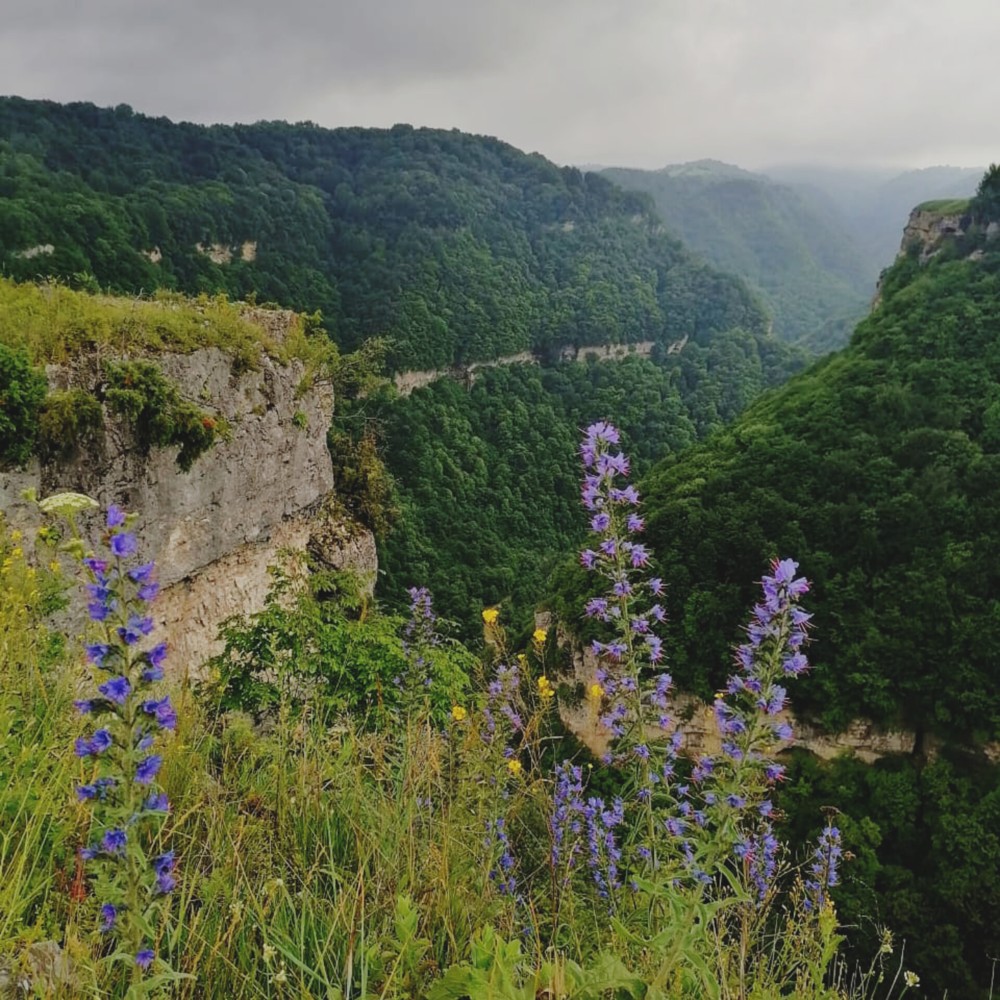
(911, 978)
(269, 952)
(281, 976)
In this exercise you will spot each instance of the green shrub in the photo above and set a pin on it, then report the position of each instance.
(22, 389)
(159, 416)
(67, 419)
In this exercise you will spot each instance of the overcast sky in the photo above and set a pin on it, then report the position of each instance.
(900, 83)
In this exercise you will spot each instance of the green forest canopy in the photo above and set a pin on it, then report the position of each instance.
(457, 247)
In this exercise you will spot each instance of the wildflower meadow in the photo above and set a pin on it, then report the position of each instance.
(351, 805)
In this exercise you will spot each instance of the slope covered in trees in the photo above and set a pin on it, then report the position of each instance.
(487, 477)
(878, 469)
(456, 247)
(796, 250)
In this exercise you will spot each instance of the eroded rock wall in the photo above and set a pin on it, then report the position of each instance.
(215, 529)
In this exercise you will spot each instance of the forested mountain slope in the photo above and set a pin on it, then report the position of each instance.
(487, 476)
(796, 250)
(879, 470)
(457, 247)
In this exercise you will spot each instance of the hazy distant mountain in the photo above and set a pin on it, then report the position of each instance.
(794, 246)
(876, 203)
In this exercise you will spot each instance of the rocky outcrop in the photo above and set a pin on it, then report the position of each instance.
(215, 529)
(926, 229)
(610, 352)
(407, 382)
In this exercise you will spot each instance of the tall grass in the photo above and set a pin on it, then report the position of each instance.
(53, 323)
(323, 856)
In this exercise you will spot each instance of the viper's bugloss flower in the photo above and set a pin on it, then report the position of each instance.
(125, 808)
(100, 612)
(124, 544)
(114, 841)
(148, 769)
(94, 745)
(117, 689)
(109, 914)
(824, 869)
(137, 627)
(97, 652)
(162, 711)
(143, 573)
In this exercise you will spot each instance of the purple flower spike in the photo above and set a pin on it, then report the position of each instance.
(143, 573)
(116, 516)
(148, 769)
(117, 689)
(144, 958)
(124, 544)
(114, 841)
(109, 914)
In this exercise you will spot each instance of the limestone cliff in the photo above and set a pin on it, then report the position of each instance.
(214, 530)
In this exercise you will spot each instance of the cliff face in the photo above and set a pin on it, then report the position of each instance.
(927, 228)
(215, 529)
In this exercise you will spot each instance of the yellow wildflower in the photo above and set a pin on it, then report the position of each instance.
(522, 659)
(17, 552)
(545, 689)
(595, 692)
(539, 635)
(54, 567)
(16, 536)
(458, 713)
(490, 615)
(514, 766)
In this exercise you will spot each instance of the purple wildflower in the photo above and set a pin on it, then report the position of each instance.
(117, 689)
(114, 841)
(163, 711)
(124, 544)
(93, 746)
(148, 768)
(136, 627)
(96, 653)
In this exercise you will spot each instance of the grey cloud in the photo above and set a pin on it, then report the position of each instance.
(642, 82)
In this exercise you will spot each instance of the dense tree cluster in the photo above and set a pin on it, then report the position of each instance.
(879, 470)
(456, 247)
(487, 477)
